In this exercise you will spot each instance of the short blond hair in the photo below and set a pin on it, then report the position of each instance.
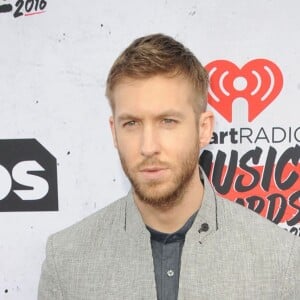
(158, 54)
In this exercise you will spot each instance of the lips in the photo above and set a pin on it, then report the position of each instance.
(153, 172)
(152, 169)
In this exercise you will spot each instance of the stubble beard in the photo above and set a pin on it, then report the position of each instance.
(164, 194)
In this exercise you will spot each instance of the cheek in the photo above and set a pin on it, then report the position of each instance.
(182, 137)
(127, 146)
(178, 148)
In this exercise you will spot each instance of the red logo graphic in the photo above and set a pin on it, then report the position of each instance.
(259, 82)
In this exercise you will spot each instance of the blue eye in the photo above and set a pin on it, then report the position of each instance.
(169, 121)
(130, 123)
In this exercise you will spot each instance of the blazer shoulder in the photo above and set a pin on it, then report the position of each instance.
(264, 241)
(100, 224)
(250, 223)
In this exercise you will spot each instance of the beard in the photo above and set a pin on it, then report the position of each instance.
(164, 193)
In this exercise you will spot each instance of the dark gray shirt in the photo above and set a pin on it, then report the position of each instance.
(166, 252)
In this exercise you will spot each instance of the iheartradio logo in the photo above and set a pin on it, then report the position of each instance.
(259, 82)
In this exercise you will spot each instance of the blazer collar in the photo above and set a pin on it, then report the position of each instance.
(133, 222)
(206, 220)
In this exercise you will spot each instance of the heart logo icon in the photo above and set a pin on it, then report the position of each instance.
(259, 82)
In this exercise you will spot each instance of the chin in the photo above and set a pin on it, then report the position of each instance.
(158, 197)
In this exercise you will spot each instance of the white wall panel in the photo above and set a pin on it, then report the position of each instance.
(53, 68)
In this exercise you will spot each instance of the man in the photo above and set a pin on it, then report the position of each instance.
(171, 237)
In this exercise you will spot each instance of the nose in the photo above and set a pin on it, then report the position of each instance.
(150, 142)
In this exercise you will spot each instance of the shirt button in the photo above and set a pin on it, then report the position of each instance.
(170, 273)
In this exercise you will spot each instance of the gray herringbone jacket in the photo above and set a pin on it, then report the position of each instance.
(108, 256)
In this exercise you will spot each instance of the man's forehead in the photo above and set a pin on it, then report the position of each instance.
(159, 80)
(154, 96)
(157, 88)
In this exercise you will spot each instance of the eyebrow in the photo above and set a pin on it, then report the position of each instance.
(167, 113)
(125, 117)
(171, 113)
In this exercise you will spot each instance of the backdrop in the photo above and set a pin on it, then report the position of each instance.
(57, 160)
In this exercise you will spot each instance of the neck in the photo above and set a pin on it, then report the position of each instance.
(170, 219)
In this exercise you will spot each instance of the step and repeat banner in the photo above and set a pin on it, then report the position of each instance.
(57, 160)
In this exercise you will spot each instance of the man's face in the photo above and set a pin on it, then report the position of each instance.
(158, 137)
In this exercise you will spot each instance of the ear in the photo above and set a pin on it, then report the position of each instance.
(206, 126)
(113, 130)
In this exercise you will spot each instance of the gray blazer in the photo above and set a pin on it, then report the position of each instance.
(108, 256)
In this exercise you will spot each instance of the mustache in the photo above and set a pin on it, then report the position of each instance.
(151, 162)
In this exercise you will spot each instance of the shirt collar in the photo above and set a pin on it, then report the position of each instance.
(176, 236)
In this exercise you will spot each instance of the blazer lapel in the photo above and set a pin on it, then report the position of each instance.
(203, 229)
(139, 247)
